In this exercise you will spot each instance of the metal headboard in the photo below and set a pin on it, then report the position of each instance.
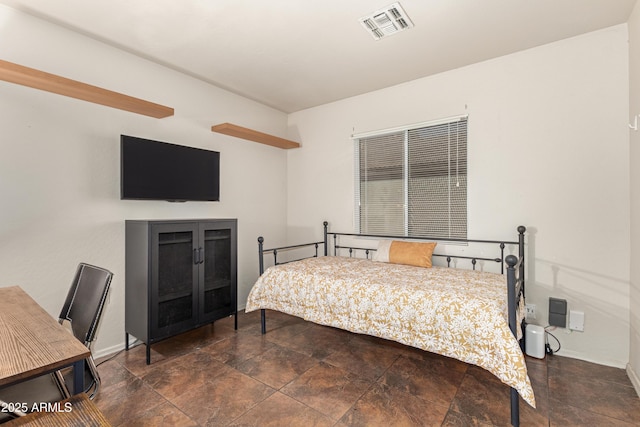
(352, 250)
(474, 259)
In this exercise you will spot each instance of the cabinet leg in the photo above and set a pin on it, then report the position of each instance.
(235, 321)
(126, 341)
(148, 354)
(263, 321)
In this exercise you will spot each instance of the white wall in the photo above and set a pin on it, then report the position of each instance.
(634, 149)
(548, 147)
(60, 165)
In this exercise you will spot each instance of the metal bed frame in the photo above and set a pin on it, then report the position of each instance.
(515, 271)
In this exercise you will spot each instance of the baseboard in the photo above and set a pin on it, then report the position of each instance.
(633, 376)
(575, 355)
(132, 343)
(114, 349)
(108, 351)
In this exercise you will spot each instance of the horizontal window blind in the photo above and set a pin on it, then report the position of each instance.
(413, 182)
(382, 184)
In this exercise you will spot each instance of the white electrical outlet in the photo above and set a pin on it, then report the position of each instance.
(530, 311)
(576, 320)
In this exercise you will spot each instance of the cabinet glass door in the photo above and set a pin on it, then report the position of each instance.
(175, 280)
(217, 273)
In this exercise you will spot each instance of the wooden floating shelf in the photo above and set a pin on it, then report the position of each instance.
(253, 135)
(37, 79)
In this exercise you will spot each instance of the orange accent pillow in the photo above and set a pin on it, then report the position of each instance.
(411, 253)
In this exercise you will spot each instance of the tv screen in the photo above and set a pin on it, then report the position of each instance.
(154, 170)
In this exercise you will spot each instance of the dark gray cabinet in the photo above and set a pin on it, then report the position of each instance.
(179, 275)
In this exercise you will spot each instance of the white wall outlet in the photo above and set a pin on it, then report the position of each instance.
(576, 320)
(530, 311)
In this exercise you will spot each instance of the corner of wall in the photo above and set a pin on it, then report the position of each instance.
(635, 380)
(633, 367)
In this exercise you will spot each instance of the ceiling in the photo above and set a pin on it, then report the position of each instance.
(293, 55)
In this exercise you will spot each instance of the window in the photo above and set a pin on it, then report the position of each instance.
(413, 181)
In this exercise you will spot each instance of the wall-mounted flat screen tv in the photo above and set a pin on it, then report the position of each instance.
(154, 170)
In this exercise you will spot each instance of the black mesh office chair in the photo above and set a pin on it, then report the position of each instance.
(82, 309)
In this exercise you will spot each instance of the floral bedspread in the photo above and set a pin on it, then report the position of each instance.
(456, 313)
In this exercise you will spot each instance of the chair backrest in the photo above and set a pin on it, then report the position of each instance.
(85, 301)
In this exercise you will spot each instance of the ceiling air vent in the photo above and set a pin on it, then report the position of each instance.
(385, 22)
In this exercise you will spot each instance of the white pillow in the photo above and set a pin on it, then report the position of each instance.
(382, 254)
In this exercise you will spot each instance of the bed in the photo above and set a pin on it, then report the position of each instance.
(469, 314)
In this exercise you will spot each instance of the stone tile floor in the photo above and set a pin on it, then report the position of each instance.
(303, 374)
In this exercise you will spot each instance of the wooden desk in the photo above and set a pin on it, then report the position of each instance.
(77, 411)
(32, 343)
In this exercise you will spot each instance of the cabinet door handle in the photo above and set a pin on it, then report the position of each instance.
(195, 256)
(200, 257)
